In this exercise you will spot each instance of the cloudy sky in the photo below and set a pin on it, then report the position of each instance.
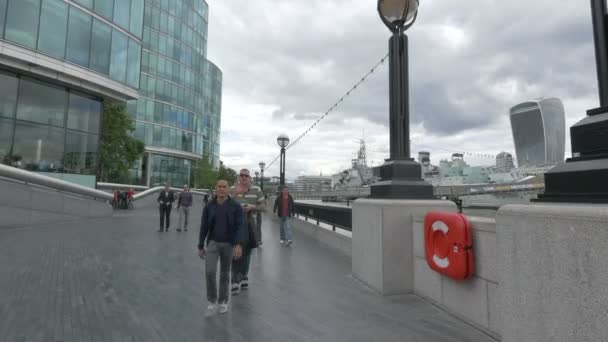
(286, 62)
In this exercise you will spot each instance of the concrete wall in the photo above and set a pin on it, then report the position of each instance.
(475, 300)
(24, 204)
(553, 267)
(338, 242)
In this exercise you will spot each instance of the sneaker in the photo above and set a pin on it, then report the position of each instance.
(179, 229)
(236, 289)
(282, 242)
(260, 243)
(160, 230)
(223, 308)
(245, 284)
(211, 308)
(289, 242)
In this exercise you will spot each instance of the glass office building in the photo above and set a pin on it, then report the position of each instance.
(60, 61)
(178, 112)
(539, 132)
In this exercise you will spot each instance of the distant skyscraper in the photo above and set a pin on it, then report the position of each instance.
(539, 132)
(504, 162)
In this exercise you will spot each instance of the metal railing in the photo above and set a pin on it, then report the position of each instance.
(152, 191)
(336, 216)
(28, 177)
(115, 186)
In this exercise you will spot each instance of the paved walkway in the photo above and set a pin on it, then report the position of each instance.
(119, 280)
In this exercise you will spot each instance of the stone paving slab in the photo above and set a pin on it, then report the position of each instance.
(119, 280)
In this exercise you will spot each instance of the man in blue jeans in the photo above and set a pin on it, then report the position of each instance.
(222, 228)
(283, 206)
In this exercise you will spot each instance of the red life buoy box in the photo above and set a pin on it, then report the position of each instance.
(448, 244)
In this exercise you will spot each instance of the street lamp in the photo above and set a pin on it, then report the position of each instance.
(283, 141)
(400, 175)
(262, 166)
(583, 177)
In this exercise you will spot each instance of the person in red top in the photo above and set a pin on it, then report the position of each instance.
(283, 206)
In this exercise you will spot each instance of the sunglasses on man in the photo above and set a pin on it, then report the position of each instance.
(244, 175)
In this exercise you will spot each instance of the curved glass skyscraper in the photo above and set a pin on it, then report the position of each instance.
(59, 61)
(539, 132)
(178, 112)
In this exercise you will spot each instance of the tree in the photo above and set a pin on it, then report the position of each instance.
(203, 174)
(118, 150)
(227, 174)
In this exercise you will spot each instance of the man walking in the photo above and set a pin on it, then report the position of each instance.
(183, 206)
(165, 204)
(284, 208)
(222, 227)
(252, 200)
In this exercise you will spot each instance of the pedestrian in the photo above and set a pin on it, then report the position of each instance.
(283, 206)
(222, 228)
(165, 204)
(183, 206)
(206, 199)
(252, 200)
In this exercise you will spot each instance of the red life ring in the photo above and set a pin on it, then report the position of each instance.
(449, 244)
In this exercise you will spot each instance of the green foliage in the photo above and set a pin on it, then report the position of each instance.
(118, 150)
(227, 174)
(203, 174)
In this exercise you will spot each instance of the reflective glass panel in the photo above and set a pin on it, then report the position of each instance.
(104, 7)
(137, 17)
(6, 140)
(118, 59)
(100, 47)
(80, 153)
(53, 26)
(84, 113)
(39, 147)
(122, 12)
(133, 64)
(22, 22)
(41, 102)
(79, 37)
(8, 94)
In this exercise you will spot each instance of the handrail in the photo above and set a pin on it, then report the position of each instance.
(151, 191)
(112, 186)
(53, 183)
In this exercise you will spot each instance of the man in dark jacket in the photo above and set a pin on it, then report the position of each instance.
(222, 228)
(283, 206)
(183, 206)
(165, 204)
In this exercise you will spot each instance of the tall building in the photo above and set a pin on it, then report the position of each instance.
(178, 111)
(539, 132)
(60, 61)
(504, 162)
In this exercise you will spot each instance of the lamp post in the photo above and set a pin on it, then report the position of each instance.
(262, 166)
(400, 175)
(582, 178)
(283, 141)
(257, 178)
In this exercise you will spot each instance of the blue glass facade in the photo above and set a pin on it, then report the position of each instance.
(67, 31)
(180, 92)
(51, 126)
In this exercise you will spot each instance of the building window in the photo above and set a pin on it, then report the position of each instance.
(84, 113)
(39, 147)
(6, 140)
(80, 153)
(8, 95)
(53, 26)
(41, 102)
(79, 37)
(118, 59)
(22, 22)
(101, 45)
(137, 17)
(122, 13)
(133, 64)
(104, 7)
